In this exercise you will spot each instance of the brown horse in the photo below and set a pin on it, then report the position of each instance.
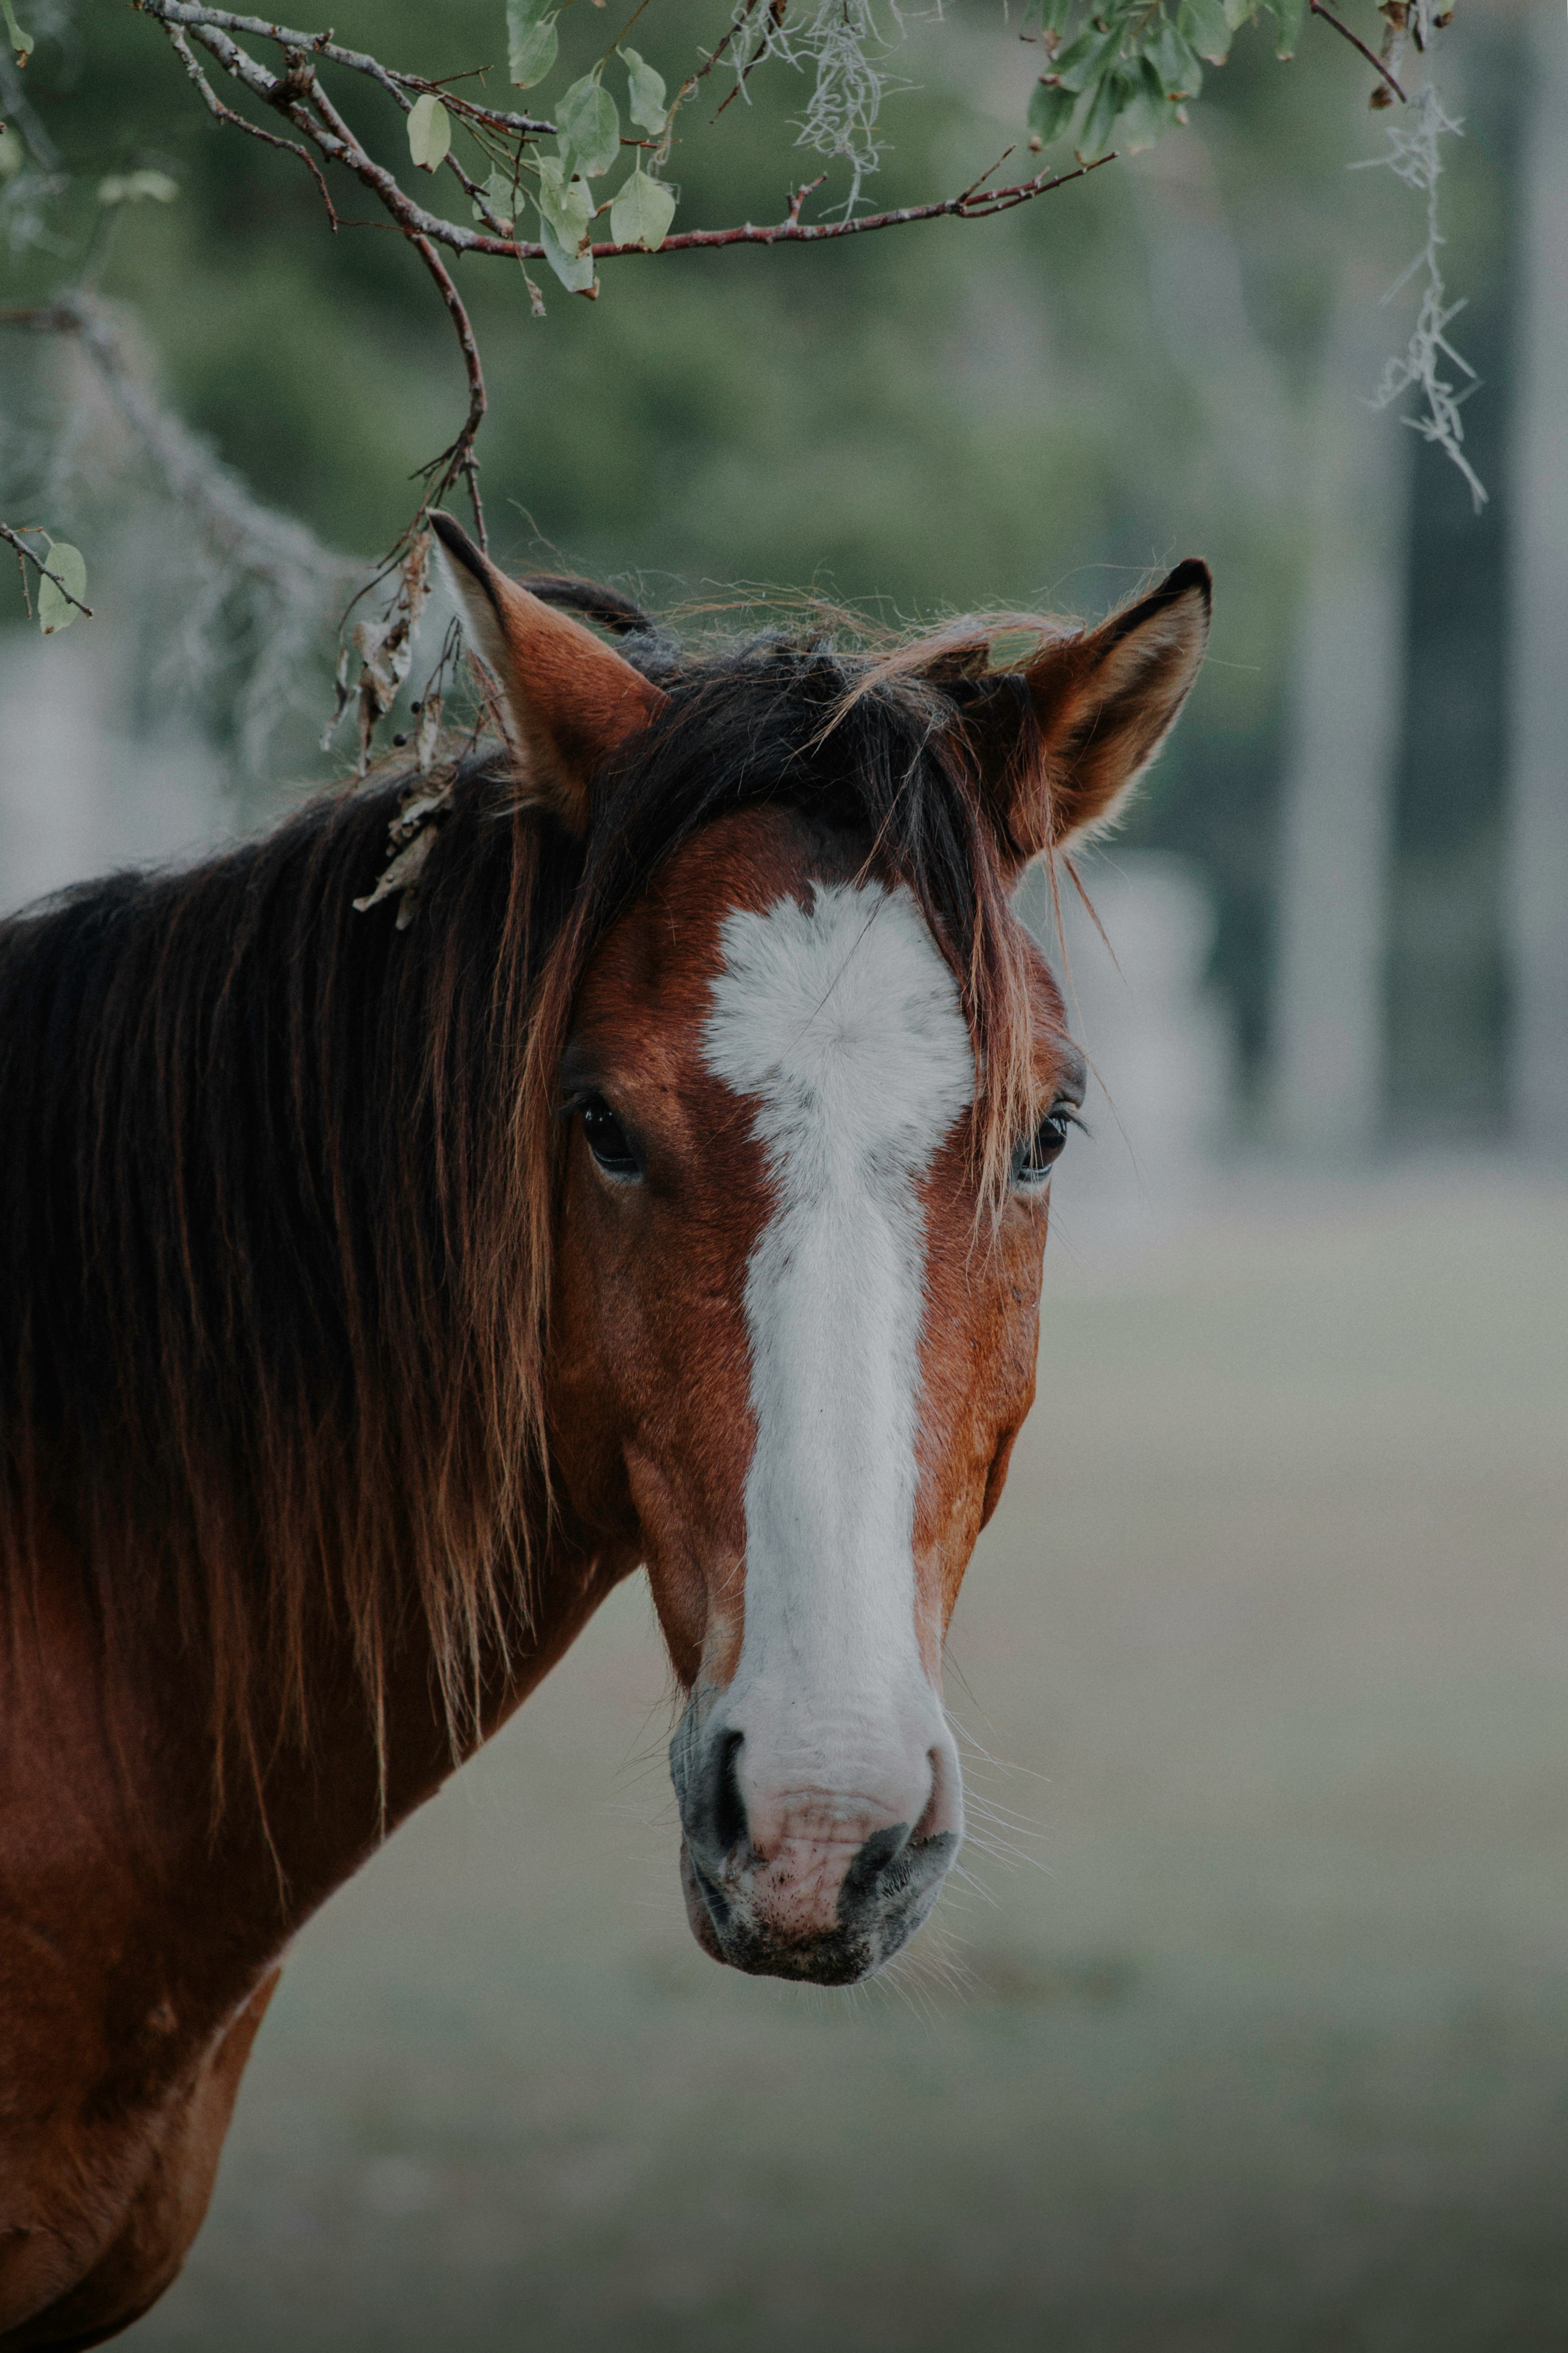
(664, 1182)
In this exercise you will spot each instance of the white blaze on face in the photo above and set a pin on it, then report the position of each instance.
(844, 1023)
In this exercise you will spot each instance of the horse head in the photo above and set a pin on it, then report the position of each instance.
(811, 1080)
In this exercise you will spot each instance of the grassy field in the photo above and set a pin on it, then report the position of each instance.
(1251, 2038)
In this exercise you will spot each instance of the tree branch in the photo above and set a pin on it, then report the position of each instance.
(222, 114)
(459, 458)
(974, 203)
(321, 44)
(297, 91)
(323, 136)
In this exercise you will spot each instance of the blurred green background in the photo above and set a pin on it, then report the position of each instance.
(1031, 411)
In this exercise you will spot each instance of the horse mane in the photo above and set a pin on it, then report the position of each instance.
(278, 1178)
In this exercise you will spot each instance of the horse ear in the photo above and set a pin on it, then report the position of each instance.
(1102, 703)
(565, 699)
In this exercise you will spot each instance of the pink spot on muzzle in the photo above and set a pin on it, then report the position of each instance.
(808, 1881)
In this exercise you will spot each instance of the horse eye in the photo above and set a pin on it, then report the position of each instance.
(607, 1140)
(1039, 1154)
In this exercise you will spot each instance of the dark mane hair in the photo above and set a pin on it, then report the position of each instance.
(277, 1178)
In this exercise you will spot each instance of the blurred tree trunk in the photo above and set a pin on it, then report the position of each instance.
(1538, 826)
(1347, 694)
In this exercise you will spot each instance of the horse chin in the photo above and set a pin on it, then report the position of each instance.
(732, 1932)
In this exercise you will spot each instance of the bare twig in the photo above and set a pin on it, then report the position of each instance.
(459, 459)
(1374, 60)
(222, 114)
(620, 37)
(744, 74)
(742, 18)
(974, 203)
(809, 188)
(321, 44)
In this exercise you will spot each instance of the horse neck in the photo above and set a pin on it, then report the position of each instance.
(237, 1366)
(328, 1801)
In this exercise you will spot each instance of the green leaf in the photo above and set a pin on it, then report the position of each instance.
(1206, 24)
(22, 43)
(1148, 113)
(57, 612)
(1292, 16)
(1054, 14)
(501, 196)
(590, 126)
(1107, 103)
(532, 42)
(565, 204)
(575, 270)
(1176, 64)
(642, 212)
(1083, 61)
(430, 132)
(1238, 13)
(646, 100)
(12, 155)
(1050, 111)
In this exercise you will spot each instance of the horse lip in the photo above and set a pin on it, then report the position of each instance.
(699, 1909)
(718, 1905)
(874, 1861)
(885, 1899)
(897, 1868)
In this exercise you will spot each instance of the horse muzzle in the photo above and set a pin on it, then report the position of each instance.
(816, 1857)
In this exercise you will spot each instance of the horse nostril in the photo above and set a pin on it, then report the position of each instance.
(932, 1822)
(727, 1807)
(873, 1869)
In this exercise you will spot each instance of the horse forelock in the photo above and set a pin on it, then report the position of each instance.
(880, 749)
(278, 1181)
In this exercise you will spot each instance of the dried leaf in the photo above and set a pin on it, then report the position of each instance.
(413, 815)
(411, 835)
(429, 733)
(401, 874)
(416, 576)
